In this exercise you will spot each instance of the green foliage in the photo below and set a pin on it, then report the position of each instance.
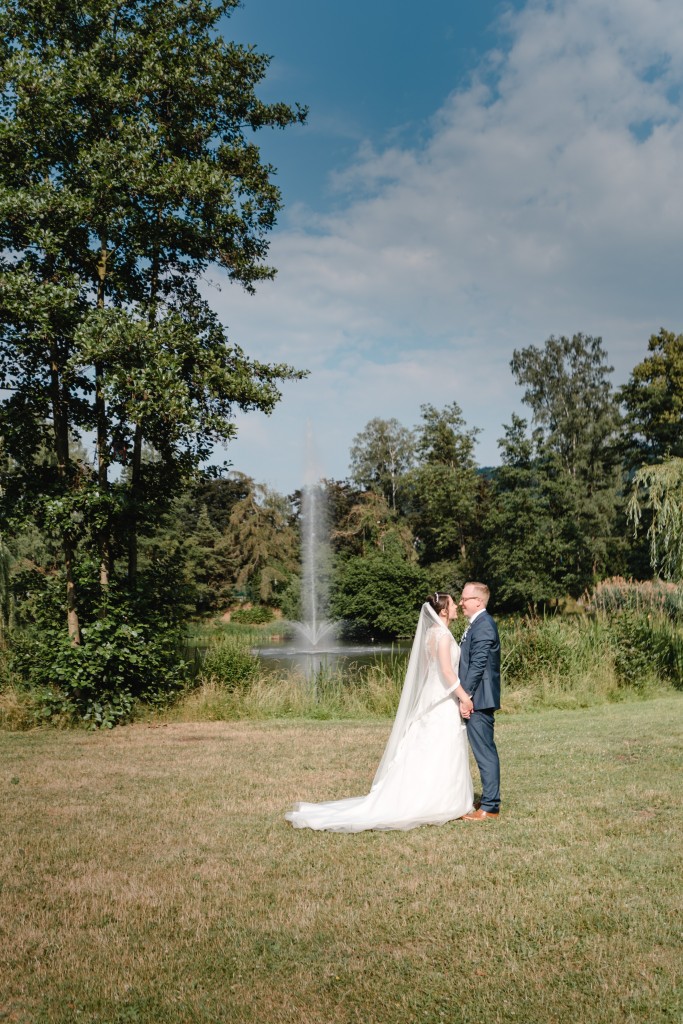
(231, 662)
(533, 648)
(556, 661)
(258, 615)
(443, 438)
(577, 660)
(525, 551)
(575, 462)
(217, 494)
(371, 524)
(381, 456)
(129, 651)
(444, 486)
(290, 600)
(362, 692)
(659, 489)
(127, 168)
(653, 400)
(381, 592)
(568, 388)
(263, 543)
(99, 681)
(646, 646)
(6, 596)
(209, 564)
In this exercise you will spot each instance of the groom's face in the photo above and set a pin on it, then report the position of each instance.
(470, 602)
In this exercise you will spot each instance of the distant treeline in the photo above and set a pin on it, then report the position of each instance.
(546, 526)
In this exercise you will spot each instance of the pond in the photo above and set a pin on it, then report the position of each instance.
(343, 657)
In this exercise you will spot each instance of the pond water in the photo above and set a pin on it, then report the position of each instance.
(344, 657)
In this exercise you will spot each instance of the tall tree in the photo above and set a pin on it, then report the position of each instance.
(568, 389)
(209, 564)
(381, 457)
(445, 486)
(218, 494)
(573, 405)
(653, 401)
(525, 546)
(263, 543)
(126, 170)
(371, 525)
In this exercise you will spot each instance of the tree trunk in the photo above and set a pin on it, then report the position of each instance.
(61, 431)
(104, 538)
(136, 465)
(136, 468)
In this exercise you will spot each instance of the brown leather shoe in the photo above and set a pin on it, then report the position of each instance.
(479, 815)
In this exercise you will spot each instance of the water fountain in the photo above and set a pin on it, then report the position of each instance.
(315, 643)
(315, 628)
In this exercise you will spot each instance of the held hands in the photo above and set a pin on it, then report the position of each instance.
(466, 706)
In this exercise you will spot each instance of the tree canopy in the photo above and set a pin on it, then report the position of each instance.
(576, 415)
(381, 456)
(126, 169)
(659, 489)
(653, 400)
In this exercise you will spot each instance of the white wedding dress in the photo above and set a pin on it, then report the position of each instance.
(424, 776)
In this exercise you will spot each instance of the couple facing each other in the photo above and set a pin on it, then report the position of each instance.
(450, 694)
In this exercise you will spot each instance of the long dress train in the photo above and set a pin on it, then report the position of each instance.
(424, 776)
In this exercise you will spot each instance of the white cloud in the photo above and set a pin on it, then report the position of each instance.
(545, 199)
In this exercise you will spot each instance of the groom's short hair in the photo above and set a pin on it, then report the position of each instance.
(481, 590)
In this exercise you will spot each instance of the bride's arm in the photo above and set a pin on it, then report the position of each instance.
(449, 676)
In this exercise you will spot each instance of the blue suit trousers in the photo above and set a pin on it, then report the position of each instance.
(480, 735)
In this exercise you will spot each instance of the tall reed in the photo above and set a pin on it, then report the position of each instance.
(576, 661)
(650, 596)
(369, 691)
(585, 660)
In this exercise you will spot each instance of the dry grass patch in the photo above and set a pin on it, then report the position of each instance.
(149, 877)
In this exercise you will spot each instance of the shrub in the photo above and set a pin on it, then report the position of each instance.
(99, 682)
(129, 650)
(531, 647)
(646, 647)
(232, 663)
(381, 592)
(256, 616)
(631, 636)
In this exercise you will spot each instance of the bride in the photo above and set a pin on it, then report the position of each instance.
(424, 776)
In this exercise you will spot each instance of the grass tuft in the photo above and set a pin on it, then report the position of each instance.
(17, 711)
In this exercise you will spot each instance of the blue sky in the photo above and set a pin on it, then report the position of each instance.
(474, 177)
(367, 70)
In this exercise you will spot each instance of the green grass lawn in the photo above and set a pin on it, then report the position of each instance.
(148, 876)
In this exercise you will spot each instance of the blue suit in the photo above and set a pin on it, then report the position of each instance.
(480, 677)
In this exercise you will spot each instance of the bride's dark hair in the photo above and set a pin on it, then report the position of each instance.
(438, 601)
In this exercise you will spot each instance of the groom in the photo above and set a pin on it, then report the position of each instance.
(480, 677)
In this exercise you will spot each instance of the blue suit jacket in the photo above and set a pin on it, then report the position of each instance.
(480, 663)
